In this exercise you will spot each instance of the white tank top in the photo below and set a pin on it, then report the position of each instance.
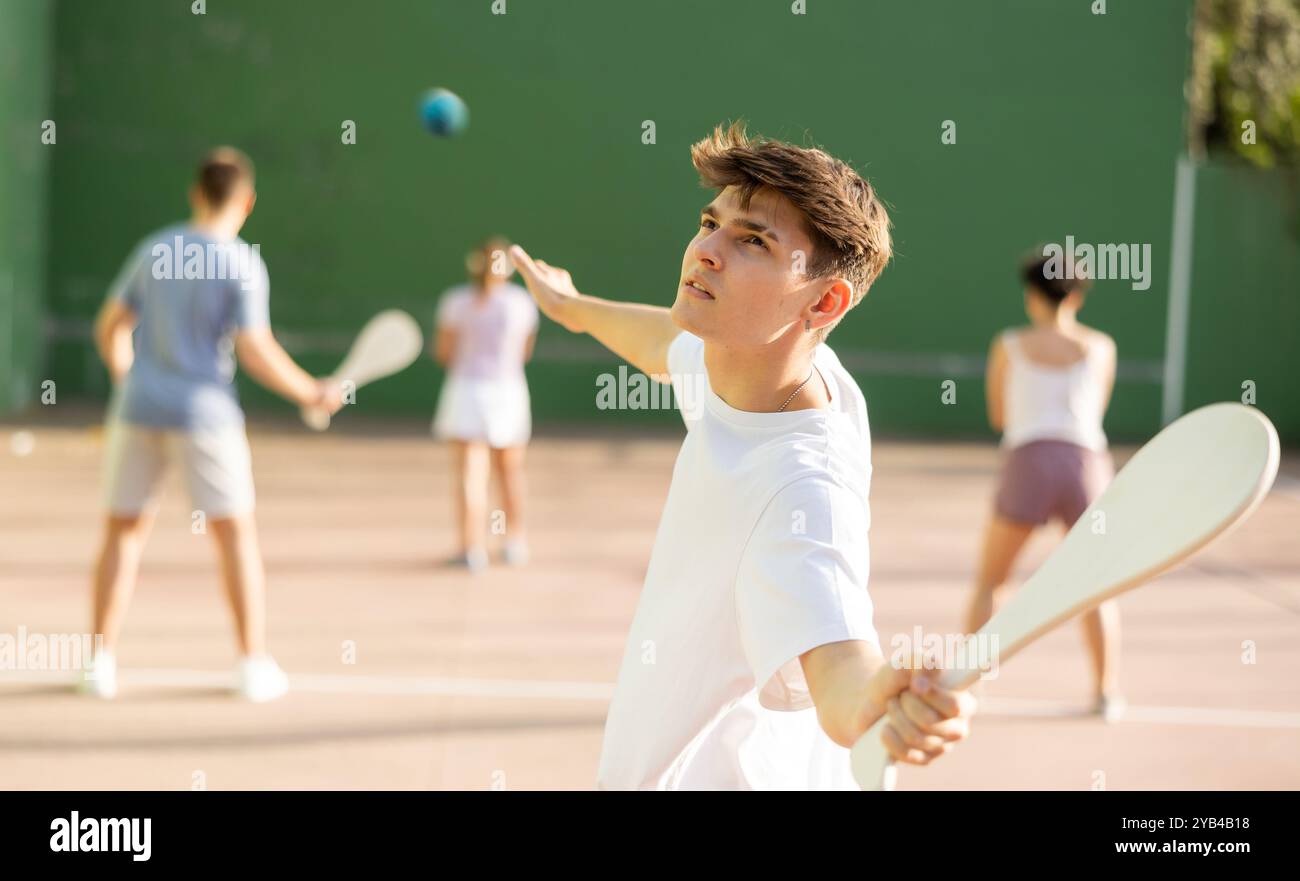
(1055, 403)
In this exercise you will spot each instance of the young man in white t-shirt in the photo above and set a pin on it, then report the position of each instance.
(752, 662)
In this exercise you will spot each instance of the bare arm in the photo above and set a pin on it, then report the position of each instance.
(444, 345)
(637, 333)
(266, 361)
(113, 326)
(852, 688)
(839, 676)
(1111, 366)
(995, 376)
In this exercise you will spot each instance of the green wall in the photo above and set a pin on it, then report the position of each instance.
(26, 42)
(1244, 318)
(1068, 123)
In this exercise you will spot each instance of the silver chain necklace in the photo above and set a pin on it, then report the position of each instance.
(799, 389)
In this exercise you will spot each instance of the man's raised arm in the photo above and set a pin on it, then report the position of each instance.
(637, 333)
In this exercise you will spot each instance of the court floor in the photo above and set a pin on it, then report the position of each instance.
(408, 675)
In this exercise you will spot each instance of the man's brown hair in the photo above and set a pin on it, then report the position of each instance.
(221, 172)
(842, 214)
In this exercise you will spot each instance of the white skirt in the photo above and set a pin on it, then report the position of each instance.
(492, 411)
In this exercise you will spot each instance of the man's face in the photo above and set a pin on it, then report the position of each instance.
(748, 266)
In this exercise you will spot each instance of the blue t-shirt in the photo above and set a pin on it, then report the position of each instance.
(190, 294)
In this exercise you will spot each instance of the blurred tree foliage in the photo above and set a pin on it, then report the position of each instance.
(1245, 85)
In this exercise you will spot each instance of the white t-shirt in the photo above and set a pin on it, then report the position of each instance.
(492, 331)
(761, 555)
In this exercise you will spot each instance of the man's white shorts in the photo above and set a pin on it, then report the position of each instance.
(217, 466)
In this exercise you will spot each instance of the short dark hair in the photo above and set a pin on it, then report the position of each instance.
(220, 174)
(1033, 272)
(842, 214)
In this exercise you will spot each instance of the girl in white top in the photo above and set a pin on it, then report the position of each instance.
(1047, 389)
(485, 335)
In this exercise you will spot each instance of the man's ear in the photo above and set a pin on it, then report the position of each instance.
(836, 299)
(252, 200)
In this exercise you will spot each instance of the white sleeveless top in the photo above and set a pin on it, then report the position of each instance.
(1055, 403)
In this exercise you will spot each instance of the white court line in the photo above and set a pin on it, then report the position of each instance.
(1196, 716)
(603, 691)
(337, 684)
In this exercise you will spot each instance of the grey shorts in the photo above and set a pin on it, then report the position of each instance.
(217, 468)
(1050, 479)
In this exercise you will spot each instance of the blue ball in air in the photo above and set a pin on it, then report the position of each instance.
(443, 113)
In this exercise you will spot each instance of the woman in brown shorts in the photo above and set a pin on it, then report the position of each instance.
(1047, 387)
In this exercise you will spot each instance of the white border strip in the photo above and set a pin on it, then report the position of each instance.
(340, 684)
(8, 306)
(1184, 716)
(565, 350)
(1180, 285)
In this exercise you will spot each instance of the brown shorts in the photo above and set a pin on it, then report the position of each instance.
(1050, 479)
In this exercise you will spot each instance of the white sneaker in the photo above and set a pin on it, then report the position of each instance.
(100, 678)
(1110, 707)
(476, 561)
(261, 679)
(516, 553)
